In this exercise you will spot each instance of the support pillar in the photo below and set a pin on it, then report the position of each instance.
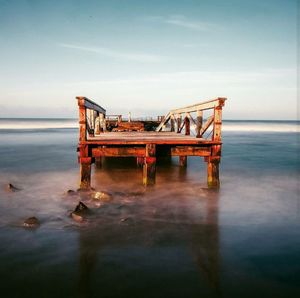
(139, 161)
(85, 173)
(213, 174)
(172, 124)
(183, 161)
(98, 162)
(187, 126)
(178, 123)
(149, 167)
(199, 124)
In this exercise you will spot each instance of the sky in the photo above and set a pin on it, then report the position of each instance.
(148, 57)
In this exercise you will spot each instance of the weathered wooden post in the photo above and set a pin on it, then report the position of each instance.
(183, 158)
(199, 123)
(102, 122)
(183, 161)
(178, 123)
(97, 123)
(172, 120)
(85, 172)
(187, 126)
(84, 159)
(149, 168)
(214, 160)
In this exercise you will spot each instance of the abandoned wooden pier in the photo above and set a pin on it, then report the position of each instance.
(189, 131)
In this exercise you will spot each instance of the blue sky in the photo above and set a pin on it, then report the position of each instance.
(148, 56)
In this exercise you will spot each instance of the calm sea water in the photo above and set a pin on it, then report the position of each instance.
(176, 239)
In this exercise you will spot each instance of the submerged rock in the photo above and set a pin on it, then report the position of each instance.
(77, 217)
(79, 213)
(71, 192)
(102, 196)
(128, 221)
(11, 187)
(81, 207)
(31, 222)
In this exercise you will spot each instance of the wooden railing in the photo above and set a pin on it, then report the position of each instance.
(182, 118)
(91, 118)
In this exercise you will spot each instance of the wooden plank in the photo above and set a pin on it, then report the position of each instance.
(128, 141)
(206, 125)
(200, 106)
(190, 151)
(164, 121)
(150, 141)
(119, 151)
(85, 102)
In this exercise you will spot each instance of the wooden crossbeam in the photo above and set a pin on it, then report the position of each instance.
(200, 106)
(119, 151)
(190, 151)
(206, 125)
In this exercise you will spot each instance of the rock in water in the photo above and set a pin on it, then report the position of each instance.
(31, 222)
(81, 207)
(79, 212)
(71, 192)
(127, 220)
(77, 217)
(11, 187)
(102, 196)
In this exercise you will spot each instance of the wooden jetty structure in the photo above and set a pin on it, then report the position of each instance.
(193, 130)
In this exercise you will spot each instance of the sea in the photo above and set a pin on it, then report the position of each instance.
(174, 239)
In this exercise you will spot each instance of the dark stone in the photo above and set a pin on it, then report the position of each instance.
(79, 212)
(11, 187)
(128, 221)
(81, 207)
(71, 192)
(31, 222)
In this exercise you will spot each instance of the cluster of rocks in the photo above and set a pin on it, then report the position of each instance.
(81, 211)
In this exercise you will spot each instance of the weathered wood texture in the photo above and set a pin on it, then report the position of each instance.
(119, 151)
(129, 126)
(183, 160)
(95, 142)
(85, 175)
(149, 168)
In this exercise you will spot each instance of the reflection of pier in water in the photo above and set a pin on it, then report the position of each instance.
(165, 246)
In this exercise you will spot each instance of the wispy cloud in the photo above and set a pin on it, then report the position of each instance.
(183, 21)
(137, 57)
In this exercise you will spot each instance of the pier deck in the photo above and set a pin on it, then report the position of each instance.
(146, 137)
(173, 136)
